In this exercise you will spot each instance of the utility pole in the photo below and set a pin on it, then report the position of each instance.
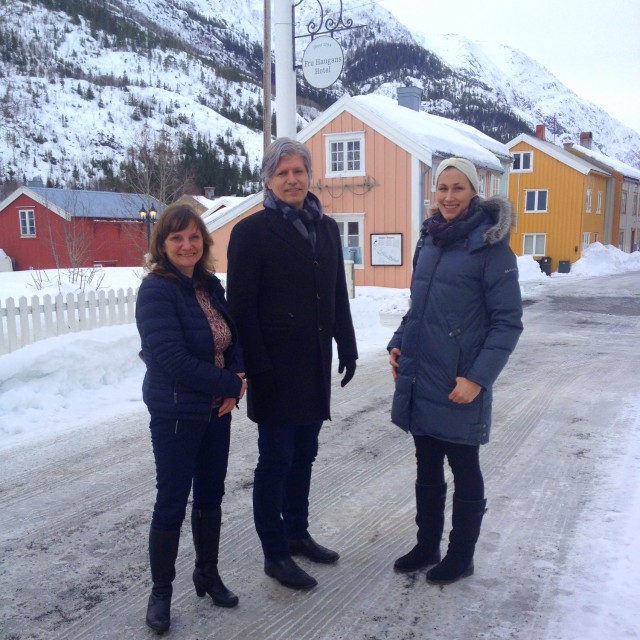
(285, 73)
(266, 76)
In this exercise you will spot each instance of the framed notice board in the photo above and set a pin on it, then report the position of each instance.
(386, 249)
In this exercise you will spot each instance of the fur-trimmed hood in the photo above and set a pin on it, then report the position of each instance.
(501, 212)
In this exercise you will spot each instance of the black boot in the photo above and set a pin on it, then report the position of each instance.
(205, 526)
(289, 574)
(465, 531)
(430, 500)
(163, 550)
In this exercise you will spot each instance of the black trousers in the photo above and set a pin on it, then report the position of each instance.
(463, 459)
(282, 481)
(188, 453)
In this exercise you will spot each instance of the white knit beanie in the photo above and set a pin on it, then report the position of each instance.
(462, 165)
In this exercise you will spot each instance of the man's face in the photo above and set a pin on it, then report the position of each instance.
(290, 181)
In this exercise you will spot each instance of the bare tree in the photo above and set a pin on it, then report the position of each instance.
(153, 167)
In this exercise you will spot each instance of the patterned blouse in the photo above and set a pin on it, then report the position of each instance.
(219, 327)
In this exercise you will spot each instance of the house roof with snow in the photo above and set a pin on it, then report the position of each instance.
(69, 203)
(610, 164)
(422, 134)
(575, 162)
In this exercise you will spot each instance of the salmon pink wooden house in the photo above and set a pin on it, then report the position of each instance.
(374, 160)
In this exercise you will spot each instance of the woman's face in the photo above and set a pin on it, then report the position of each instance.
(184, 248)
(453, 193)
(290, 181)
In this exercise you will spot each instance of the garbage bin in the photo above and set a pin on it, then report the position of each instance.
(545, 265)
(564, 266)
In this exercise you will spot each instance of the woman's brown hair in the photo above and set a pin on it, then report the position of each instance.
(178, 217)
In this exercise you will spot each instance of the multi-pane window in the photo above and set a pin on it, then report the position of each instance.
(599, 202)
(522, 161)
(495, 185)
(481, 184)
(534, 244)
(536, 201)
(27, 222)
(350, 227)
(623, 202)
(587, 205)
(586, 239)
(345, 155)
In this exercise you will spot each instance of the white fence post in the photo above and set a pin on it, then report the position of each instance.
(30, 322)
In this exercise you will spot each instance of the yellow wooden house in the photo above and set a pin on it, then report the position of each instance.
(559, 202)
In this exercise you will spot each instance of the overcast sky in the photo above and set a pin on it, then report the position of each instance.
(593, 47)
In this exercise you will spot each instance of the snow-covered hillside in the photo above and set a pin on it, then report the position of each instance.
(84, 83)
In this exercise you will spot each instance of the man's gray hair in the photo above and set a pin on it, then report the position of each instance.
(277, 150)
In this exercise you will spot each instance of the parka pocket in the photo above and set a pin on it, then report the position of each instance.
(402, 402)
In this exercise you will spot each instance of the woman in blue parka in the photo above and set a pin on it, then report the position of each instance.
(194, 378)
(464, 321)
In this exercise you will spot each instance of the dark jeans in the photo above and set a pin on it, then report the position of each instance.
(281, 485)
(464, 460)
(188, 453)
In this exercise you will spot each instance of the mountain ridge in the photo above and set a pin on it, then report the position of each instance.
(85, 85)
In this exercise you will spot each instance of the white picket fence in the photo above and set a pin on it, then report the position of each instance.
(32, 320)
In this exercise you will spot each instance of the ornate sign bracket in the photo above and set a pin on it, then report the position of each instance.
(314, 29)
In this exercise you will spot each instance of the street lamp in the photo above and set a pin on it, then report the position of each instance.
(148, 218)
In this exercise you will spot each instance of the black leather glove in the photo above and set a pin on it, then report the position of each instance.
(349, 367)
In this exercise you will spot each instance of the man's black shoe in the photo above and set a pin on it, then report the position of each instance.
(289, 574)
(309, 548)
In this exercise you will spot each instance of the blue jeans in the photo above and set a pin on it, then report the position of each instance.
(188, 453)
(281, 485)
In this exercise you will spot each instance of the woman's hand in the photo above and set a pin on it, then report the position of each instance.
(227, 406)
(465, 391)
(394, 361)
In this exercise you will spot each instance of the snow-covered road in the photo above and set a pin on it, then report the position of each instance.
(75, 509)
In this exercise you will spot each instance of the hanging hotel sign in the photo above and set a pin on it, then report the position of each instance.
(322, 62)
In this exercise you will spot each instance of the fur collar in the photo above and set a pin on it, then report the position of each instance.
(501, 213)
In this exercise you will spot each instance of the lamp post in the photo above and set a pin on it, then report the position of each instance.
(148, 217)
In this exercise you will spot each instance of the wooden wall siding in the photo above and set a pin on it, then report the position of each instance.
(386, 206)
(111, 242)
(566, 219)
(221, 240)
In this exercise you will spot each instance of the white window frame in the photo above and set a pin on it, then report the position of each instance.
(599, 203)
(534, 238)
(495, 185)
(586, 240)
(587, 205)
(482, 183)
(623, 202)
(521, 155)
(344, 139)
(27, 223)
(344, 218)
(537, 197)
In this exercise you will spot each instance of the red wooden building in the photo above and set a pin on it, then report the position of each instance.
(44, 228)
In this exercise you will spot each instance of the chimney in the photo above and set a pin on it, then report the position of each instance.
(541, 132)
(586, 139)
(209, 192)
(410, 97)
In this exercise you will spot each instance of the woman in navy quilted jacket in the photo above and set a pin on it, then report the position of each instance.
(194, 378)
(464, 321)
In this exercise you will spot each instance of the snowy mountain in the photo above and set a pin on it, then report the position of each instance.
(84, 85)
